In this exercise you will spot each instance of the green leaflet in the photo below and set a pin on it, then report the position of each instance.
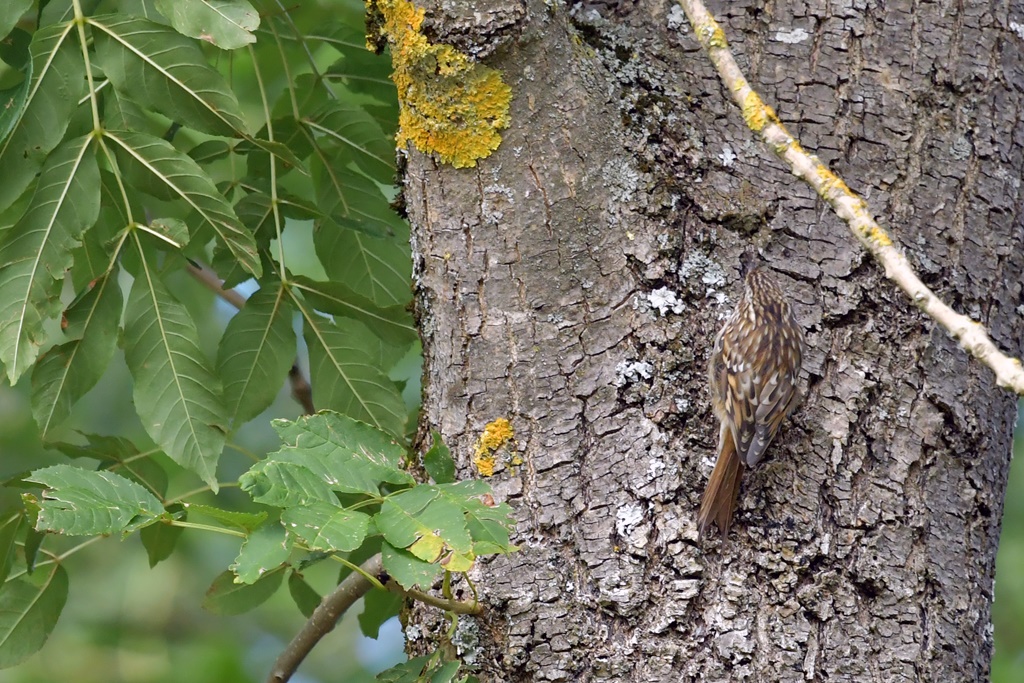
(66, 372)
(79, 502)
(164, 171)
(256, 351)
(159, 68)
(38, 250)
(31, 607)
(58, 82)
(228, 24)
(176, 393)
(347, 378)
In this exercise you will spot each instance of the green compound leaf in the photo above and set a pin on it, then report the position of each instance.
(228, 24)
(176, 394)
(265, 549)
(429, 525)
(66, 372)
(324, 453)
(38, 250)
(256, 352)
(78, 502)
(378, 607)
(324, 526)
(305, 598)
(30, 608)
(58, 82)
(162, 70)
(175, 175)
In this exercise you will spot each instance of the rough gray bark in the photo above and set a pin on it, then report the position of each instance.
(864, 549)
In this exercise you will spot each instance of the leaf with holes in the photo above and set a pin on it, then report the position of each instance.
(78, 502)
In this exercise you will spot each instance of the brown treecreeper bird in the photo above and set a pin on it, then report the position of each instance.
(753, 374)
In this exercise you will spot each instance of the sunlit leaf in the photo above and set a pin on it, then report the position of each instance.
(228, 24)
(256, 352)
(29, 609)
(58, 82)
(407, 569)
(264, 550)
(224, 596)
(425, 523)
(66, 372)
(176, 394)
(347, 379)
(324, 526)
(159, 68)
(183, 179)
(323, 453)
(79, 502)
(38, 250)
(121, 455)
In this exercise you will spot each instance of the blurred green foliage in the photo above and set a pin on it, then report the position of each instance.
(1008, 609)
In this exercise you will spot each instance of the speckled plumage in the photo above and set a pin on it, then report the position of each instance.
(752, 372)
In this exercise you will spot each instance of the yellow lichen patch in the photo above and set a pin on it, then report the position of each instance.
(450, 105)
(495, 435)
(756, 113)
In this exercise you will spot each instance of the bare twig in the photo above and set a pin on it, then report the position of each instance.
(302, 391)
(457, 606)
(761, 119)
(324, 617)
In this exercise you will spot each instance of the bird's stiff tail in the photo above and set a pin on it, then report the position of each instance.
(719, 499)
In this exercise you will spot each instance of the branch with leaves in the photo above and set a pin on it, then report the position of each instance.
(763, 121)
(135, 148)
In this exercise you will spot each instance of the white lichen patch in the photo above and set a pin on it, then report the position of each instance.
(797, 35)
(630, 371)
(727, 156)
(630, 526)
(676, 19)
(664, 300)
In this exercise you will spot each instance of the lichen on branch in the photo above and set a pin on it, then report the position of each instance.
(450, 105)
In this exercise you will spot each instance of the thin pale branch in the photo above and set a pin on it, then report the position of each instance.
(761, 119)
(324, 617)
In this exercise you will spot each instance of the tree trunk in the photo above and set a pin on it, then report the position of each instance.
(863, 549)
